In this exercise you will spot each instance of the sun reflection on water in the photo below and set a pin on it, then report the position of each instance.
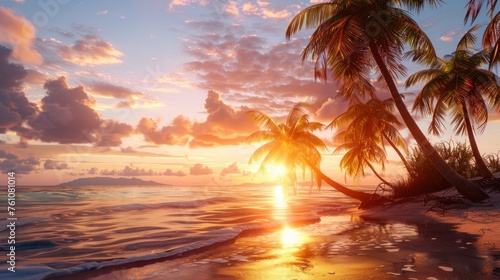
(290, 237)
(280, 197)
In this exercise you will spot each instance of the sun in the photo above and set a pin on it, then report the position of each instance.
(276, 170)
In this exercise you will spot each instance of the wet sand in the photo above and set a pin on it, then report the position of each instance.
(413, 244)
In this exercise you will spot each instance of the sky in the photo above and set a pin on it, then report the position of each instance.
(160, 90)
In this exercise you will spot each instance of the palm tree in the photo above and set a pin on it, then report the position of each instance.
(359, 153)
(460, 85)
(474, 7)
(293, 145)
(355, 37)
(374, 120)
(491, 36)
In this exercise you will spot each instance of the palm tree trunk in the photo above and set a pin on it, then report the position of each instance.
(483, 169)
(361, 196)
(378, 175)
(466, 188)
(403, 159)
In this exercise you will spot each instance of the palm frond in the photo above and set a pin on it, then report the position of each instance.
(310, 17)
(468, 40)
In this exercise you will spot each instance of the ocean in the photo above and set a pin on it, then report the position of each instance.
(66, 230)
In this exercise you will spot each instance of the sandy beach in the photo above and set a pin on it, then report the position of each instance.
(403, 241)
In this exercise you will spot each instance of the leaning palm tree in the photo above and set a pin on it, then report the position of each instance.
(359, 153)
(354, 38)
(292, 144)
(459, 84)
(374, 120)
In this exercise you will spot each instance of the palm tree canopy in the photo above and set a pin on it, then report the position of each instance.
(291, 144)
(456, 79)
(341, 40)
(369, 126)
(373, 119)
(474, 7)
(491, 36)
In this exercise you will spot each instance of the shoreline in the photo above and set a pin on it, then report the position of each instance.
(373, 244)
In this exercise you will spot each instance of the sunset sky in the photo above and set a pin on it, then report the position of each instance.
(160, 89)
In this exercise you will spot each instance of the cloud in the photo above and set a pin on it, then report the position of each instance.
(448, 37)
(90, 50)
(35, 77)
(179, 173)
(199, 169)
(18, 165)
(174, 3)
(282, 14)
(15, 108)
(20, 34)
(231, 169)
(224, 124)
(246, 66)
(52, 164)
(260, 8)
(67, 115)
(129, 171)
(103, 12)
(105, 89)
(175, 134)
(250, 8)
(111, 132)
(7, 155)
(331, 109)
(231, 8)
(11, 75)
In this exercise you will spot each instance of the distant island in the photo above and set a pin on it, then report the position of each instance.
(107, 181)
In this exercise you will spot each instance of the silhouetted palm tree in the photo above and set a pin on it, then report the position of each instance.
(374, 120)
(459, 84)
(355, 37)
(293, 145)
(359, 153)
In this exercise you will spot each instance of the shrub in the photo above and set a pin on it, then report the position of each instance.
(424, 178)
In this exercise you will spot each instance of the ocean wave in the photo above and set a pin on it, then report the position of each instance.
(188, 204)
(224, 236)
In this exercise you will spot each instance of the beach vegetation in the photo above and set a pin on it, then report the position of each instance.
(423, 178)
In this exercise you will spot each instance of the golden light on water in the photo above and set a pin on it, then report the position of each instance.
(280, 196)
(290, 237)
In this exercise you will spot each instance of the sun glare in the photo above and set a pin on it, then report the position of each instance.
(290, 237)
(276, 170)
(279, 196)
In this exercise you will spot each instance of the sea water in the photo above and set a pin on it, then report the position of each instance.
(81, 228)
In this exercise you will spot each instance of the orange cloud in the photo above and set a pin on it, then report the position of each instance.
(175, 134)
(275, 14)
(20, 34)
(250, 8)
(90, 50)
(231, 169)
(199, 169)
